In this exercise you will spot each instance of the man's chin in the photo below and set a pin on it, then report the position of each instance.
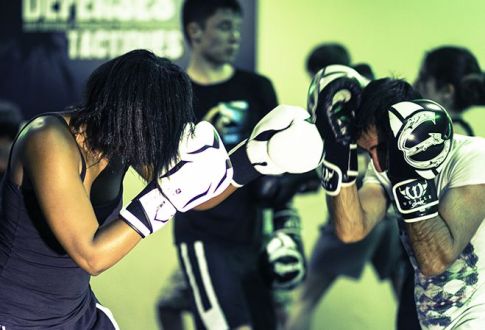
(224, 61)
(230, 57)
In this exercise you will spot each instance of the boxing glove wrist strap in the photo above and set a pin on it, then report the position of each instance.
(244, 171)
(416, 199)
(148, 211)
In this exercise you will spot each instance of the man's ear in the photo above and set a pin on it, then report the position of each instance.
(194, 31)
(448, 91)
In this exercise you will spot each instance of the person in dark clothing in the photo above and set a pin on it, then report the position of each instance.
(220, 250)
(61, 219)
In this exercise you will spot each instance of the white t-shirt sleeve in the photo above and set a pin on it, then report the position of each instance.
(467, 166)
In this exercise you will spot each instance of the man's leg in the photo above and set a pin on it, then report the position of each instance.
(307, 298)
(218, 298)
(259, 297)
(330, 259)
(174, 300)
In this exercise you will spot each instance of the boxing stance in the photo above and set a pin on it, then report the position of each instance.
(433, 178)
(330, 257)
(61, 219)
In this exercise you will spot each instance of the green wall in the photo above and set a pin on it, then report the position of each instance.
(392, 36)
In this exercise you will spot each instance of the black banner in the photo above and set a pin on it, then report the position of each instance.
(48, 48)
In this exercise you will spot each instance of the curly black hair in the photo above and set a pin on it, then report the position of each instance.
(136, 107)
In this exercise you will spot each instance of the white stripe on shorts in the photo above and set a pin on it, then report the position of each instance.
(213, 318)
(108, 313)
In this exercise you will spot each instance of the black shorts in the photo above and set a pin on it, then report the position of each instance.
(96, 317)
(103, 319)
(226, 285)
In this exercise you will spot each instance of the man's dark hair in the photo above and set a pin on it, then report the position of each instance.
(365, 70)
(327, 54)
(200, 10)
(136, 107)
(377, 98)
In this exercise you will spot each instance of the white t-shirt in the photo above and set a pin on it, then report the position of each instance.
(443, 301)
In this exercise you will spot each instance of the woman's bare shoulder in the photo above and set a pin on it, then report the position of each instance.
(45, 136)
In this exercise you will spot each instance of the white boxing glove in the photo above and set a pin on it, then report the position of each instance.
(283, 141)
(202, 171)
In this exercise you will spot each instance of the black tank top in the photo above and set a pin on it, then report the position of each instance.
(40, 285)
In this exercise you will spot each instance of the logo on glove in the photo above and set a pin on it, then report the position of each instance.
(424, 133)
(429, 152)
(412, 195)
(327, 175)
(415, 194)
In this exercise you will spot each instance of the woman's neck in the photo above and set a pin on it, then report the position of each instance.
(93, 158)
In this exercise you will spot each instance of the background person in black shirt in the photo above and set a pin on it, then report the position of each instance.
(220, 249)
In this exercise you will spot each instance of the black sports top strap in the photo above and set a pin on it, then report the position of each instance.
(83, 169)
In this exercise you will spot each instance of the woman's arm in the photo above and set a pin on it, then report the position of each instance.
(216, 200)
(213, 202)
(51, 160)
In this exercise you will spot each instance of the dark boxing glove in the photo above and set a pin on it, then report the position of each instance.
(333, 98)
(422, 139)
(275, 190)
(283, 260)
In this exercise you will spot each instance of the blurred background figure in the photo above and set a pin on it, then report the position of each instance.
(222, 251)
(451, 76)
(331, 258)
(327, 54)
(10, 122)
(35, 68)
